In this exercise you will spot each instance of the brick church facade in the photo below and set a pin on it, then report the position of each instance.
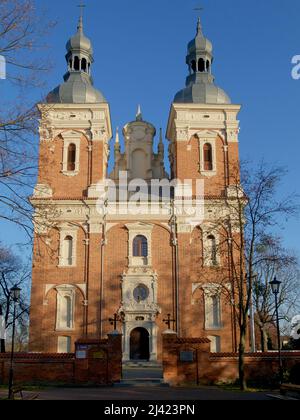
(89, 262)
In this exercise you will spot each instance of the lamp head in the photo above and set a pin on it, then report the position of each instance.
(275, 285)
(15, 293)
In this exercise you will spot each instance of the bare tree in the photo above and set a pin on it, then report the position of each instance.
(21, 37)
(253, 214)
(13, 272)
(275, 262)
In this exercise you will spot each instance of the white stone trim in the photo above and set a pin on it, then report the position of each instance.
(207, 261)
(134, 230)
(42, 191)
(71, 137)
(202, 142)
(210, 291)
(67, 230)
(64, 291)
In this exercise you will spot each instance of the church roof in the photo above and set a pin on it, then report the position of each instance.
(78, 84)
(200, 87)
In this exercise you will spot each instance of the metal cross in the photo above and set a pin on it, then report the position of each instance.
(114, 321)
(199, 9)
(168, 321)
(82, 6)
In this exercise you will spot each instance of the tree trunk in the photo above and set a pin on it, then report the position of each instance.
(242, 378)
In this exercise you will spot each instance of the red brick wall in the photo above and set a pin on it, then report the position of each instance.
(65, 368)
(209, 368)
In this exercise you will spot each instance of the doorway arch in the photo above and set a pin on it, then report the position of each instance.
(139, 344)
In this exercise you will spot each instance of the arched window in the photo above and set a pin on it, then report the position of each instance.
(66, 312)
(140, 247)
(208, 157)
(216, 313)
(71, 158)
(212, 250)
(84, 65)
(76, 63)
(207, 66)
(193, 66)
(68, 250)
(201, 65)
(71, 64)
(213, 312)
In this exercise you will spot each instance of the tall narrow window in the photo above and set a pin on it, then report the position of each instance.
(201, 65)
(215, 344)
(140, 247)
(213, 312)
(212, 250)
(68, 250)
(84, 65)
(76, 64)
(66, 312)
(216, 313)
(71, 158)
(64, 345)
(208, 157)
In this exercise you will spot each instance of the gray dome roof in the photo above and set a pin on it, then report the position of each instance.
(77, 89)
(200, 43)
(79, 41)
(202, 93)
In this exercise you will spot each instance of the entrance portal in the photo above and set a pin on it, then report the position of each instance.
(139, 344)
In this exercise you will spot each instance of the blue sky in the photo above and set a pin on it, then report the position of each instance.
(140, 49)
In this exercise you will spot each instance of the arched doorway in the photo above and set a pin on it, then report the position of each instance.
(139, 344)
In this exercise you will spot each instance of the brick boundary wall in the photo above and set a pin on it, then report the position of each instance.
(211, 368)
(102, 365)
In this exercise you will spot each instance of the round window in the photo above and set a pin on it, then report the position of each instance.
(141, 293)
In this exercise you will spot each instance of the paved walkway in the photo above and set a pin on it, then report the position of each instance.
(145, 394)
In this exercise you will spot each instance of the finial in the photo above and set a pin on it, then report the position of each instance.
(199, 25)
(80, 23)
(139, 116)
(117, 136)
(117, 142)
(161, 142)
(160, 136)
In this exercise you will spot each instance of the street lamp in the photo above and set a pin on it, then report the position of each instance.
(15, 293)
(275, 285)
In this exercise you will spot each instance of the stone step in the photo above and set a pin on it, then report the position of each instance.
(146, 365)
(142, 373)
(141, 383)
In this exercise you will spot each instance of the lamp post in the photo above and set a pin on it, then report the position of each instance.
(15, 293)
(275, 285)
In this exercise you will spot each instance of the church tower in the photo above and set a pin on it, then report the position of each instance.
(203, 132)
(75, 130)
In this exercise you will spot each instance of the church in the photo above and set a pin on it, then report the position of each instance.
(99, 256)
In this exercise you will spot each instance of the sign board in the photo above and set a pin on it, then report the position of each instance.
(100, 355)
(82, 347)
(187, 356)
(81, 354)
